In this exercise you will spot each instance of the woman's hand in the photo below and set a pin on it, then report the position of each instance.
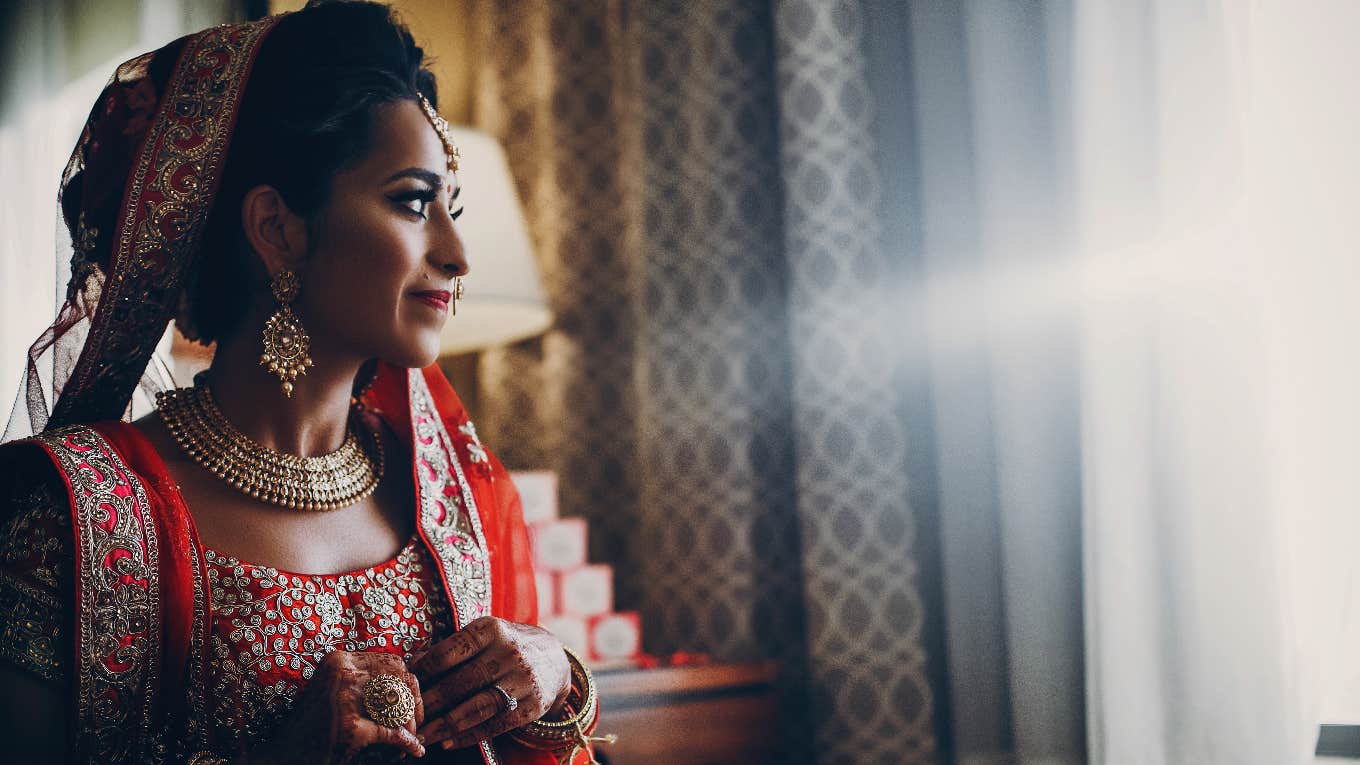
(459, 674)
(328, 724)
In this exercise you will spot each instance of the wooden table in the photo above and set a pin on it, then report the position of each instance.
(720, 714)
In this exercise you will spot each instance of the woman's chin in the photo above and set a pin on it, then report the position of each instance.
(413, 356)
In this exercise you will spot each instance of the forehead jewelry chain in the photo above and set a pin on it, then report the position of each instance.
(441, 126)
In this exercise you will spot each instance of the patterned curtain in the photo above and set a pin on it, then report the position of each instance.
(717, 394)
(865, 614)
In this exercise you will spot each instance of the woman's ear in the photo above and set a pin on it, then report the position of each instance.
(276, 233)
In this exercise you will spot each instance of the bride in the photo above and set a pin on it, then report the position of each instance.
(284, 189)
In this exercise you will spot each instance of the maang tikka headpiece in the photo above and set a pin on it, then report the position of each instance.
(441, 126)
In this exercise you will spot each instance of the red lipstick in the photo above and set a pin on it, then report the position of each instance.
(438, 299)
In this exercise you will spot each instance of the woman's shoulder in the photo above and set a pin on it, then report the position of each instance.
(43, 477)
(125, 447)
(35, 510)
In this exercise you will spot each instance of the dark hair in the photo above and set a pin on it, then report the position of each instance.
(318, 80)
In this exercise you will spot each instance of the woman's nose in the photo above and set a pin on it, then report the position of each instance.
(449, 252)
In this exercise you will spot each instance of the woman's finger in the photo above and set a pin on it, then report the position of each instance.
(487, 667)
(413, 683)
(458, 647)
(381, 663)
(401, 738)
(488, 729)
(475, 712)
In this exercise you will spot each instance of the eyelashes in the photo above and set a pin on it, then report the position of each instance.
(455, 212)
(416, 202)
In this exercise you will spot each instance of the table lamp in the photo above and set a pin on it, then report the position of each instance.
(502, 298)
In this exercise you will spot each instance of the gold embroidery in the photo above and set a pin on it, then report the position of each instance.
(83, 245)
(118, 630)
(35, 538)
(279, 626)
(156, 235)
(118, 616)
(34, 546)
(448, 513)
(196, 719)
(31, 628)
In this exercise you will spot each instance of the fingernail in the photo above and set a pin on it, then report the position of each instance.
(447, 745)
(421, 739)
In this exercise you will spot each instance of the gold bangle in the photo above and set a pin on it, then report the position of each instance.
(570, 732)
(582, 679)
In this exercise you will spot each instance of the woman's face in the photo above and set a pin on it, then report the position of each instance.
(379, 280)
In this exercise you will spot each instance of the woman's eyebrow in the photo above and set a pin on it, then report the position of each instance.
(429, 176)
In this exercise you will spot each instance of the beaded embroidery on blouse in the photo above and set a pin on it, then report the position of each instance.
(271, 628)
(32, 627)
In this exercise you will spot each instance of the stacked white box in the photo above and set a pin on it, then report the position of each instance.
(586, 591)
(537, 494)
(575, 597)
(615, 636)
(559, 545)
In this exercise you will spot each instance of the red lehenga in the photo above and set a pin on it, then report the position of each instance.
(169, 648)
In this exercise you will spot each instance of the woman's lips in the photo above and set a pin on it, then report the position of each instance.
(438, 299)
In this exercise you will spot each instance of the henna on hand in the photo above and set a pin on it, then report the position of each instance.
(328, 724)
(460, 674)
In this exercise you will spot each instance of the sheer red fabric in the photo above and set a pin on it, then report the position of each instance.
(134, 197)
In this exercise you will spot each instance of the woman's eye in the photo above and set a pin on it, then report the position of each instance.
(416, 202)
(416, 206)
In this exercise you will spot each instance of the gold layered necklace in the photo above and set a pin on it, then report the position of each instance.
(330, 481)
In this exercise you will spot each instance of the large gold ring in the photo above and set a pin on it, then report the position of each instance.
(388, 701)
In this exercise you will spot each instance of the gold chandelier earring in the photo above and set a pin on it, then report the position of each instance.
(285, 341)
(457, 295)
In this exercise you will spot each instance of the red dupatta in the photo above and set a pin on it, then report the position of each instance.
(143, 612)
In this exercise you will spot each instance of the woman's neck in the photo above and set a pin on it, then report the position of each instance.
(310, 423)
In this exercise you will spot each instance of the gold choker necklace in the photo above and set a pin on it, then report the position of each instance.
(339, 479)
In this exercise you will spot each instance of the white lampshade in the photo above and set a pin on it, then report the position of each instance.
(502, 297)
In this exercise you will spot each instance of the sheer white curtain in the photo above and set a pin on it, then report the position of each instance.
(1133, 242)
(1215, 185)
(57, 57)
(1304, 182)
